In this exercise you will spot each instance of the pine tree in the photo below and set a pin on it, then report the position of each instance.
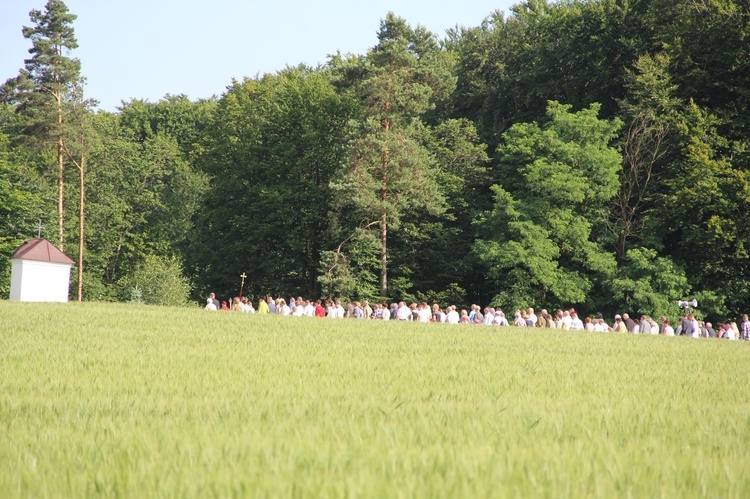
(390, 170)
(47, 85)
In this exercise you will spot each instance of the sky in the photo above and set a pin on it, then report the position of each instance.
(145, 49)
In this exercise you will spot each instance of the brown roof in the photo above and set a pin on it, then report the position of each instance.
(40, 250)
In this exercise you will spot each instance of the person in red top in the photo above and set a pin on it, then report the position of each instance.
(320, 311)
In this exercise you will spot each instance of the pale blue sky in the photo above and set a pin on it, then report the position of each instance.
(146, 49)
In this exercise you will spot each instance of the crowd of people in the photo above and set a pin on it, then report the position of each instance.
(489, 316)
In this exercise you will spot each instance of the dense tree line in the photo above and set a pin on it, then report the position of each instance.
(592, 154)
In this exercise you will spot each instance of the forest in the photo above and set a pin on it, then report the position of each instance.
(591, 154)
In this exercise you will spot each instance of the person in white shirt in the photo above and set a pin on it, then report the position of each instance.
(566, 320)
(339, 310)
(557, 319)
(489, 316)
(729, 333)
(385, 313)
(668, 330)
(403, 313)
(576, 324)
(309, 309)
(532, 316)
(330, 309)
(696, 327)
(452, 316)
(210, 305)
(648, 325)
(424, 312)
(500, 319)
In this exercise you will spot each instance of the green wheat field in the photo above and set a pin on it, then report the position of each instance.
(119, 400)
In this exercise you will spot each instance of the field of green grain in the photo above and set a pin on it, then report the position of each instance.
(136, 401)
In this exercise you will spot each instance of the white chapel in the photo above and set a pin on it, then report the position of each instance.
(39, 272)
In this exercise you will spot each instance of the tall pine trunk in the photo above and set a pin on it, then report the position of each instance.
(386, 123)
(81, 212)
(60, 179)
(383, 256)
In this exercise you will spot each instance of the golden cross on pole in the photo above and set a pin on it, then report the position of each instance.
(242, 286)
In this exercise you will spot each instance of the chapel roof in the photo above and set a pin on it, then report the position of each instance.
(40, 250)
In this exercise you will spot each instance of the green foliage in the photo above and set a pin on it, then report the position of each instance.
(434, 251)
(714, 306)
(350, 274)
(649, 284)
(391, 147)
(649, 109)
(141, 198)
(707, 43)
(453, 294)
(390, 172)
(705, 195)
(48, 92)
(539, 239)
(573, 52)
(403, 288)
(50, 74)
(174, 116)
(21, 192)
(157, 280)
(650, 60)
(272, 150)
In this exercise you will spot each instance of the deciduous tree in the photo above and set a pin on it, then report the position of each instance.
(541, 241)
(271, 152)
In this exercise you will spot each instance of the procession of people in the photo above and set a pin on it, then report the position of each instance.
(568, 319)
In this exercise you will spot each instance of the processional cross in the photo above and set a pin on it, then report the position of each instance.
(242, 286)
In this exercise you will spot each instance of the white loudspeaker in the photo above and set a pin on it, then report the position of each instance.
(685, 303)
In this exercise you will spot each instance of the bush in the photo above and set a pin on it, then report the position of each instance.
(158, 280)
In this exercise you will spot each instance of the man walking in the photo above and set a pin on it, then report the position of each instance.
(745, 331)
(216, 303)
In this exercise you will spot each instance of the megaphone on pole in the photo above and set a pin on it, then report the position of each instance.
(686, 304)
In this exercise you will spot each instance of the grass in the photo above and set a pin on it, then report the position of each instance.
(122, 400)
